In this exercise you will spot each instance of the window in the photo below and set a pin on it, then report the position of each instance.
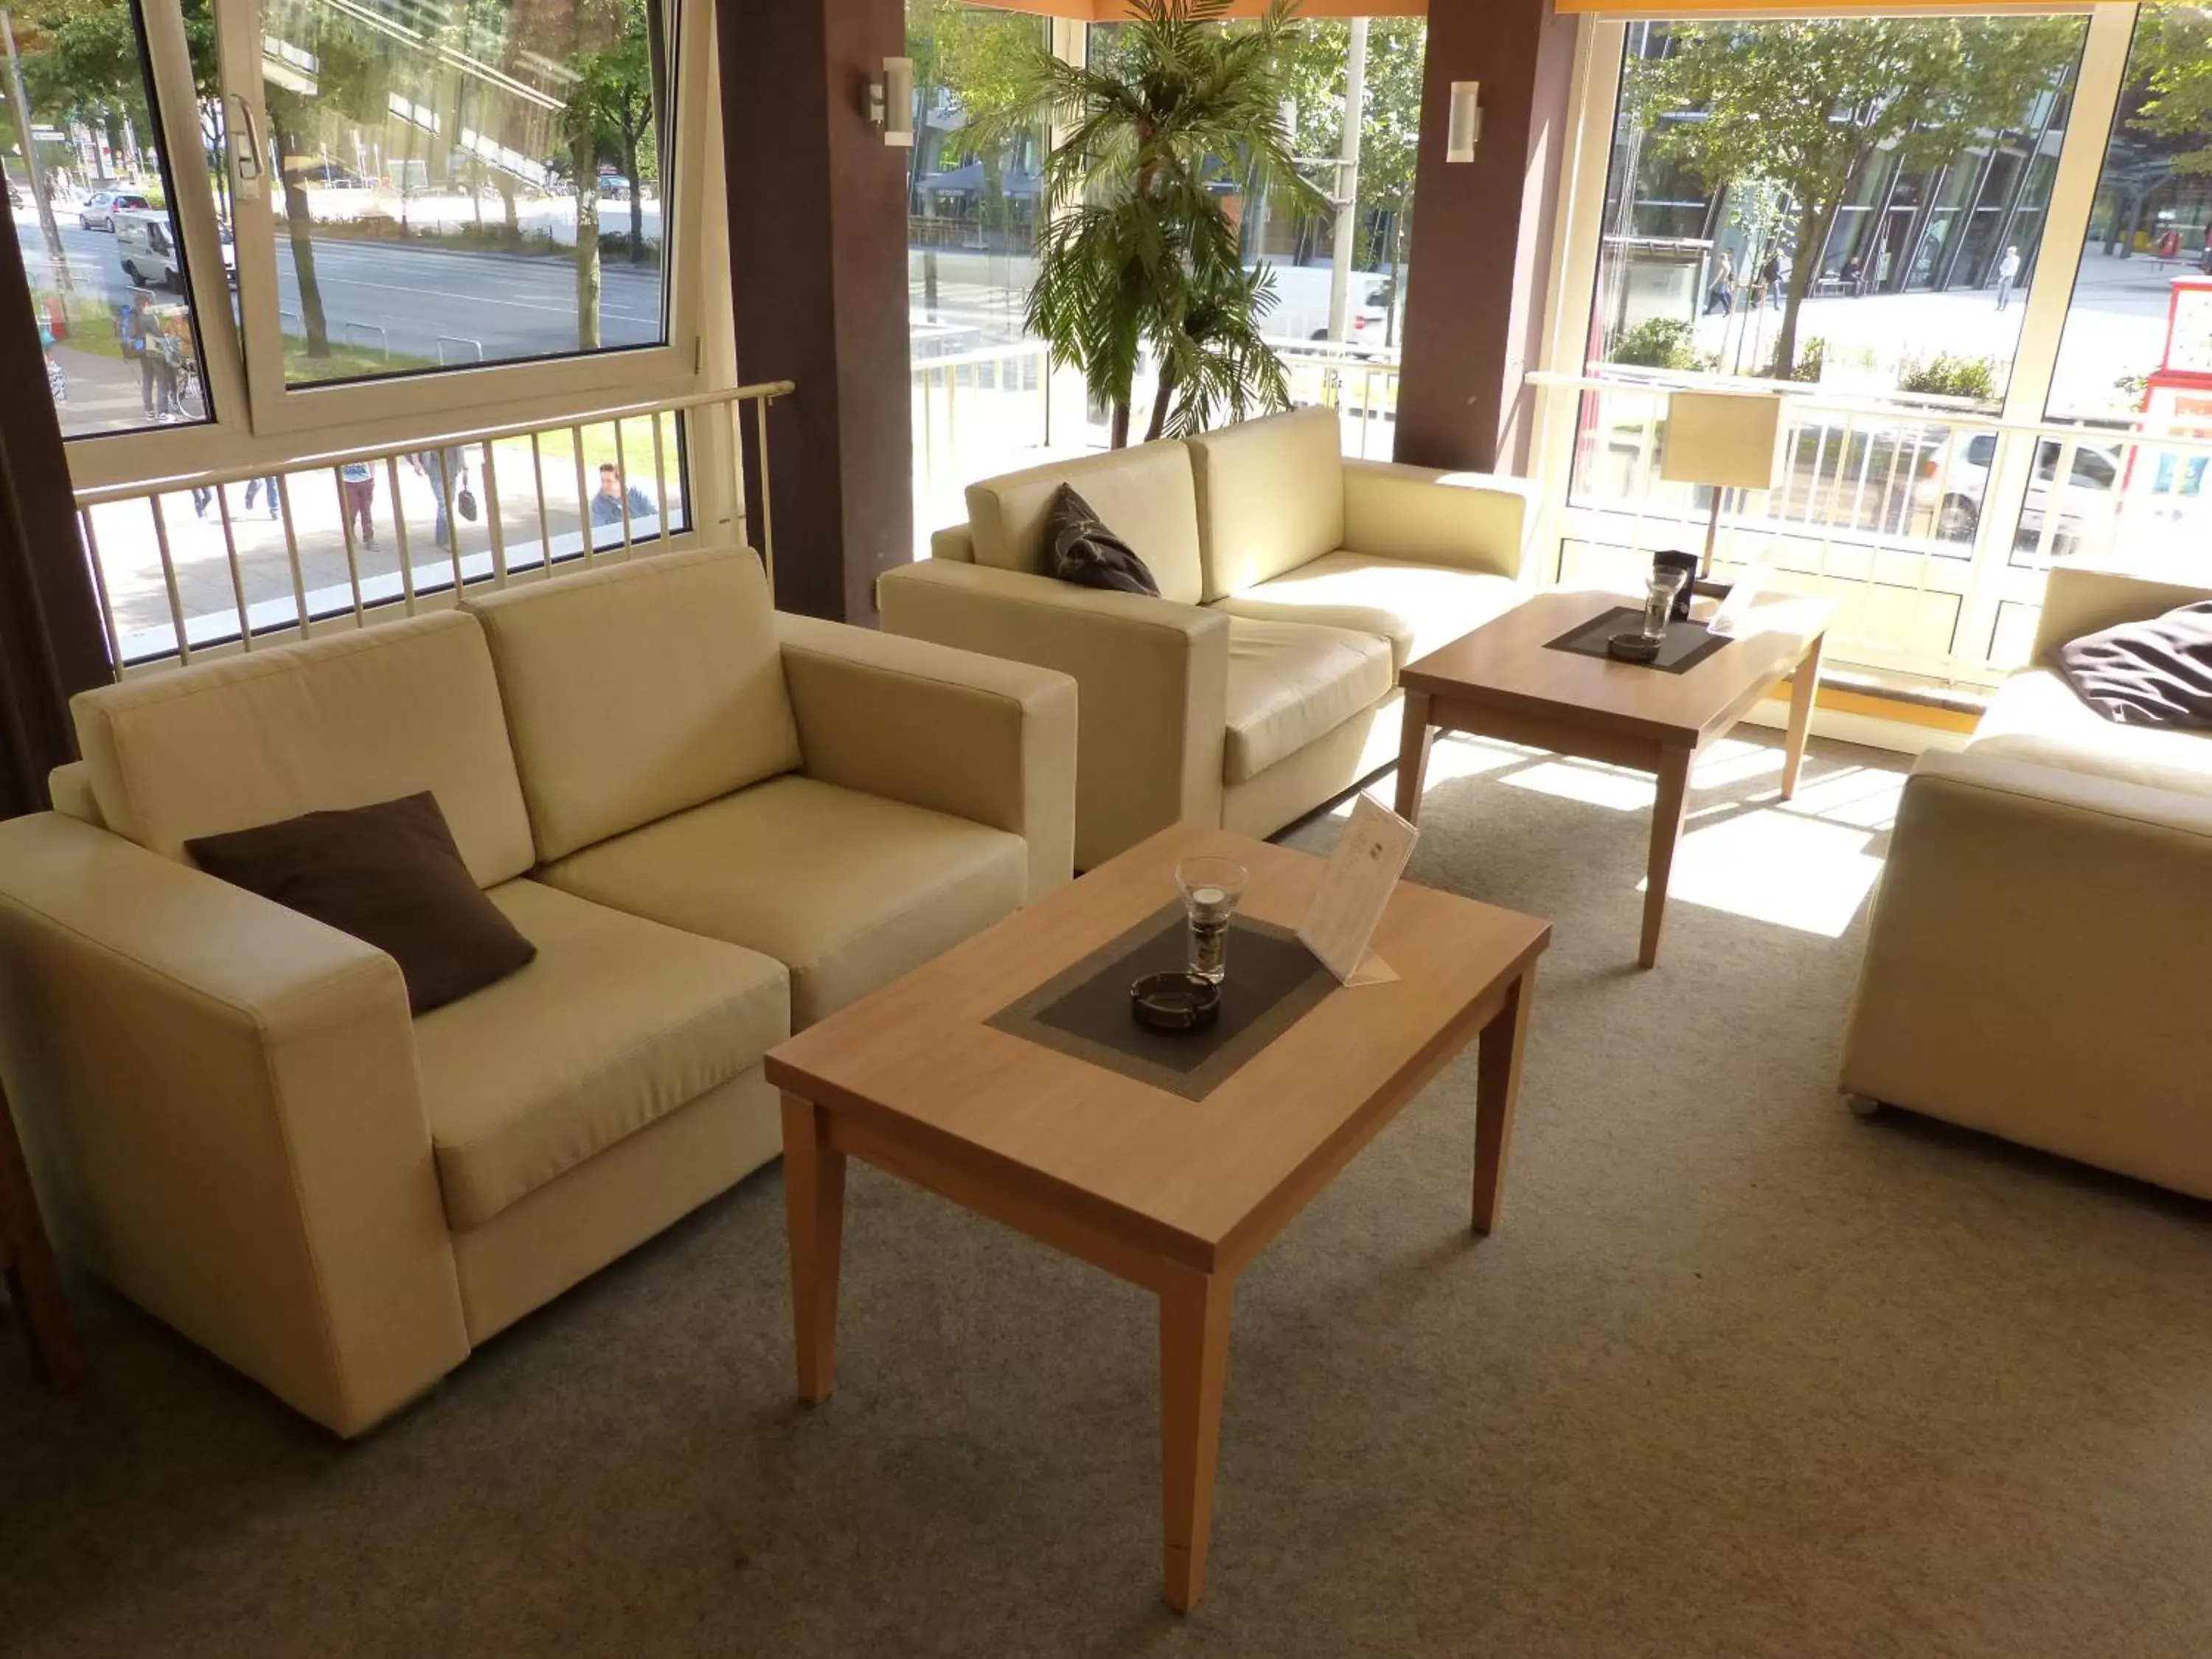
(462, 182)
(91, 188)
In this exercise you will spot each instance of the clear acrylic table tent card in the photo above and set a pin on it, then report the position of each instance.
(1348, 905)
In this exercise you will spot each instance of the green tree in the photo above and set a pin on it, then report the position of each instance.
(350, 81)
(614, 91)
(982, 58)
(1138, 248)
(1314, 66)
(2172, 56)
(1804, 106)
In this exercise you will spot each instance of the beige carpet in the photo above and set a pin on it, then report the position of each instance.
(1740, 1375)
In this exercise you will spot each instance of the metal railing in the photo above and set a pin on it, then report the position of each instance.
(1361, 387)
(182, 570)
(1933, 523)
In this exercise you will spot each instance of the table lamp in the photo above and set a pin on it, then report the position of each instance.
(1727, 440)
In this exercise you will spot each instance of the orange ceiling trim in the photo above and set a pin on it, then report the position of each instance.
(1114, 11)
(1819, 9)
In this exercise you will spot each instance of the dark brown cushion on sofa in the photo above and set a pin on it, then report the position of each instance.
(1085, 552)
(2157, 673)
(391, 876)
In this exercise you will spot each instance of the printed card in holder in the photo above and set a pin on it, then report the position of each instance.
(1348, 904)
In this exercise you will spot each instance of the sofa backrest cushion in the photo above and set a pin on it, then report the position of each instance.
(636, 691)
(1145, 495)
(339, 722)
(1270, 497)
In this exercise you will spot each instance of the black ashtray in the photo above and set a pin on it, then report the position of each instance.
(1175, 1002)
(1633, 646)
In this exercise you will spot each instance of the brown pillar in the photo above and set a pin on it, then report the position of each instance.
(51, 642)
(1478, 280)
(818, 267)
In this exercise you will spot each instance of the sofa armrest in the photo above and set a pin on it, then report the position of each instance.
(2036, 964)
(1476, 520)
(2081, 598)
(974, 736)
(1152, 678)
(224, 1095)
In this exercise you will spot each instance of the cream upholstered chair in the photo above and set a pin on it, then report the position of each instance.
(2041, 941)
(1294, 584)
(716, 824)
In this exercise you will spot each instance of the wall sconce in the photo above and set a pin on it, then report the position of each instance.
(891, 102)
(1466, 129)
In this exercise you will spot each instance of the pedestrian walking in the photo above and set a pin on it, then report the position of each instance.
(2007, 274)
(447, 471)
(1721, 296)
(357, 488)
(1775, 277)
(268, 487)
(136, 331)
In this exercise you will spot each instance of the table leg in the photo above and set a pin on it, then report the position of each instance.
(1666, 830)
(1497, 1087)
(33, 1285)
(1194, 1363)
(1804, 687)
(814, 1209)
(1414, 755)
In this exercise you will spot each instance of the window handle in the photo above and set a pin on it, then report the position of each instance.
(246, 141)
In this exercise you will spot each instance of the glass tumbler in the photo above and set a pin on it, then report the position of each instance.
(1666, 582)
(1210, 887)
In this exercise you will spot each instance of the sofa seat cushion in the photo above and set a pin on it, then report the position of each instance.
(2036, 717)
(1416, 607)
(618, 1023)
(848, 890)
(1291, 683)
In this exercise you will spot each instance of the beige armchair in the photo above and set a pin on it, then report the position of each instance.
(714, 822)
(2038, 952)
(1294, 584)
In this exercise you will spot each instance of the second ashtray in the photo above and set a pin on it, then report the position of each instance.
(1175, 1002)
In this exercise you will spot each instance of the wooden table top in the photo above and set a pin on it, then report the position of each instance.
(1205, 1182)
(1506, 662)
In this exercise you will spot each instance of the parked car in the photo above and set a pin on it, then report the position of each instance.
(1958, 467)
(100, 208)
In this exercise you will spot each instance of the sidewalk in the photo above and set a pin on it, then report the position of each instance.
(105, 394)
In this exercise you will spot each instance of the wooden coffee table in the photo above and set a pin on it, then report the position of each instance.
(1502, 681)
(1171, 1193)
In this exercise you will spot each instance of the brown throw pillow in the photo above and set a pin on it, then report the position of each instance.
(391, 876)
(1085, 552)
(2157, 673)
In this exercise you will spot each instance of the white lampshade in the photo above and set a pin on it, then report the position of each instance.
(1731, 439)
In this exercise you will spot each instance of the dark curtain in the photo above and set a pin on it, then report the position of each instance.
(52, 643)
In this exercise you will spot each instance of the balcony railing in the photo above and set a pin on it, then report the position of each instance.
(1932, 524)
(235, 559)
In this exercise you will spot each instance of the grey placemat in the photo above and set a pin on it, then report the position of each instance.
(1084, 1012)
(1686, 644)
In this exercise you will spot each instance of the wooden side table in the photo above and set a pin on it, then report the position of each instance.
(29, 1260)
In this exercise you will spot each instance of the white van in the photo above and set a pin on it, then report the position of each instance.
(1301, 310)
(145, 245)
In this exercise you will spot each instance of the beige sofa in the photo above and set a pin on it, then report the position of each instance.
(715, 822)
(2041, 942)
(1294, 584)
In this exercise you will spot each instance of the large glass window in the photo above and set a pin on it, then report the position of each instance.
(463, 181)
(91, 192)
(1840, 201)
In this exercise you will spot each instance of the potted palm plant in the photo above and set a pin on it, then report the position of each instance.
(1137, 252)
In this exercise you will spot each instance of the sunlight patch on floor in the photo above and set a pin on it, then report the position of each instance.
(1623, 790)
(1729, 762)
(1863, 797)
(1775, 867)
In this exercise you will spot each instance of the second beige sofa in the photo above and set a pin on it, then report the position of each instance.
(715, 822)
(1294, 584)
